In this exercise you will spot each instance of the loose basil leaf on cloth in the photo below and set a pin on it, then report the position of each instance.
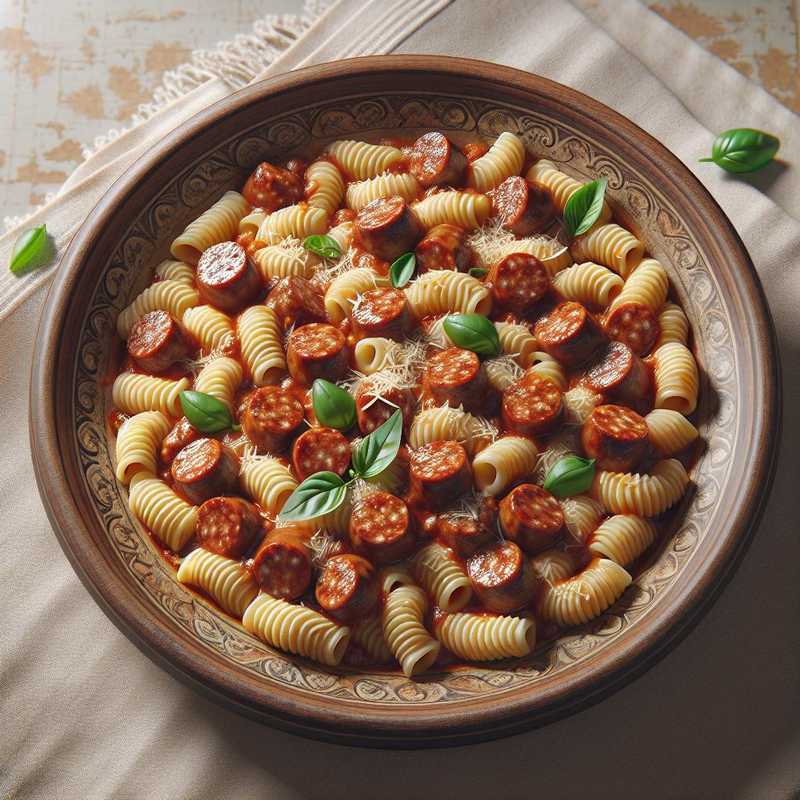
(570, 475)
(205, 412)
(478, 272)
(378, 450)
(584, 207)
(322, 245)
(29, 250)
(402, 270)
(743, 150)
(316, 495)
(334, 407)
(473, 332)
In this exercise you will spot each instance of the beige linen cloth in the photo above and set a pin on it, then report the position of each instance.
(83, 714)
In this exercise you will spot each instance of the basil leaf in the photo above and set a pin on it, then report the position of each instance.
(743, 150)
(205, 412)
(584, 207)
(402, 270)
(322, 245)
(379, 449)
(473, 332)
(478, 272)
(316, 495)
(333, 406)
(30, 250)
(570, 475)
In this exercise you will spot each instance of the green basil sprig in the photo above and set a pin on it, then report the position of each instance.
(584, 207)
(323, 492)
(479, 272)
(322, 245)
(473, 332)
(30, 250)
(743, 149)
(402, 270)
(334, 407)
(206, 413)
(570, 475)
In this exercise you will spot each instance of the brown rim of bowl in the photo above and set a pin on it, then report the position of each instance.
(348, 722)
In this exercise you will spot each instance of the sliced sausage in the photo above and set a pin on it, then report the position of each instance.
(156, 342)
(347, 587)
(616, 437)
(316, 351)
(227, 277)
(466, 535)
(634, 324)
(570, 334)
(228, 526)
(318, 450)
(501, 577)
(531, 517)
(456, 377)
(387, 227)
(282, 564)
(381, 528)
(375, 405)
(521, 207)
(622, 376)
(532, 405)
(270, 417)
(270, 187)
(182, 433)
(444, 247)
(296, 301)
(434, 161)
(440, 472)
(519, 281)
(205, 468)
(382, 312)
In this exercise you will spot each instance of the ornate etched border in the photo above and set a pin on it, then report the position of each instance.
(185, 196)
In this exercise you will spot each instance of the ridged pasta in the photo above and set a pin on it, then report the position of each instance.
(611, 246)
(502, 160)
(582, 515)
(479, 637)
(220, 378)
(213, 329)
(405, 634)
(250, 223)
(579, 402)
(553, 565)
(174, 297)
(343, 291)
(445, 291)
(370, 354)
(503, 462)
(442, 577)
(676, 377)
(444, 423)
(166, 515)
(589, 283)
(362, 160)
(336, 522)
(133, 393)
(586, 595)
(548, 367)
(502, 372)
(643, 495)
(368, 633)
(284, 259)
(296, 629)
(467, 209)
(324, 186)
(669, 431)
(648, 285)
(673, 324)
(226, 581)
(622, 538)
(553, 254)
(300, 220)
(138, 442)
(170, 270)
(262, 345)
(267, 481)
(394, 576)
(342, 234)
(561, 186)
(517, 341)
(387, 185)
(218, 224)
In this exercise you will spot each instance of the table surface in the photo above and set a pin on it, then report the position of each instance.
(79, 68)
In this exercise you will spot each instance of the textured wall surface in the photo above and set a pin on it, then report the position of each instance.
(73, 70)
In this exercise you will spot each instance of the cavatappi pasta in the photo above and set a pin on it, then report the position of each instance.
(455, 550)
